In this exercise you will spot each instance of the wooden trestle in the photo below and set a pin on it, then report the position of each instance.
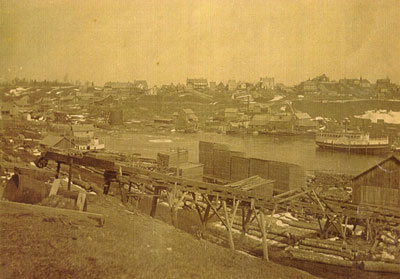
(224, 202)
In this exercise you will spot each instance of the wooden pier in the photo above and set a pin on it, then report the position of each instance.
(226, 202)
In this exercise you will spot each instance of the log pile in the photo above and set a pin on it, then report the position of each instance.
(306, 255)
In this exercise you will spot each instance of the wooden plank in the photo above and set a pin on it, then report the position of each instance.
(82, 161)
(294, 196)
(7, 206)
(54, 187)
(71, 163)
(80, 202)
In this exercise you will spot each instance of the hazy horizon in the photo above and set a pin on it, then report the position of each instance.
(168, 41)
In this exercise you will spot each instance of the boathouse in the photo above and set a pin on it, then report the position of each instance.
(379, 185)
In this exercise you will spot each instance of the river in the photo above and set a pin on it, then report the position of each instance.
(298, 150)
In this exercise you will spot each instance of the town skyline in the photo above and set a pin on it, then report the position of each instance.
(167, 43)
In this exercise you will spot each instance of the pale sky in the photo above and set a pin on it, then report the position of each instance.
(166, 41)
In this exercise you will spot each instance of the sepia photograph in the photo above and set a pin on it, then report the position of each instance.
(200, 139)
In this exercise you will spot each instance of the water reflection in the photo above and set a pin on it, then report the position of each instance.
(297, 150)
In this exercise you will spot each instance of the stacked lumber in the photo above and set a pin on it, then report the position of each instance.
(206, 155)
(302, 224)
(287, 176)
(240, 167)
(171, 158)
(255, 185)
(221, 164)
(191, 170)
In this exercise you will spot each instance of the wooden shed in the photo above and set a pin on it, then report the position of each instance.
(379, 185)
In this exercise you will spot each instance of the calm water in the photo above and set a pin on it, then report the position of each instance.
(297, 150)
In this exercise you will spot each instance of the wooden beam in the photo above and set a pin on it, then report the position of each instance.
(228, 227)
(154, 201)
(71, 163)
(246, 220)
(58, 169)
(294, 196)
(261, 224)
(216, 211)
(88, 161)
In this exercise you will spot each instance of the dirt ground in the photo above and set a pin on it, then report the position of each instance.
(130, 245)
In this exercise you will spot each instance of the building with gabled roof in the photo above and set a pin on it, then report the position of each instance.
(379, 185)
(59, 142)
(83, 130)
(197, 83)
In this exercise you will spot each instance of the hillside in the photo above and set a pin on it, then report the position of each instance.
(340, 110)
(130, 245)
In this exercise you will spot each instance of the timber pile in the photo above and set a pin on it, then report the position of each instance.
(172, 158)
(327, 247)
(255, 185)
(301, 224)
(380, 267)
(306, 255)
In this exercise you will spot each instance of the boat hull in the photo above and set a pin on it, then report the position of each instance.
(378, 148)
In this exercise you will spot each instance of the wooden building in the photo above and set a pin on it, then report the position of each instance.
(82, 131)
(59, 142)
(379, 185)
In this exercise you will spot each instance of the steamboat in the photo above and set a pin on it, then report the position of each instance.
(351, 141)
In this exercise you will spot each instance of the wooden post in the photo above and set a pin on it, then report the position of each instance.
(228, 227)
(246, 219)
(71, 162)
(346, 221)
(154, 202)
(58, 169)
(261, 224)
(122, 191)
(203, 217)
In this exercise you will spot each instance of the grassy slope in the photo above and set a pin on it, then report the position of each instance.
(130, 245)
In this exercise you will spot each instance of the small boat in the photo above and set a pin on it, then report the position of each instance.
(351, 141)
